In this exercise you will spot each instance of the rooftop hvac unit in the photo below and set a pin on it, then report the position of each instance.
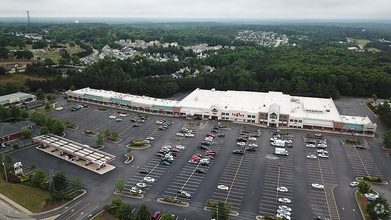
(196, 98)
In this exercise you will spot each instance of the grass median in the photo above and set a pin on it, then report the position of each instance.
(31, 198)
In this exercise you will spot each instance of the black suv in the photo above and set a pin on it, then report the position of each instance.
(144, 171)
(238, 152)
(251, 149)
(206, 143)
(199, 170)
(203, 147)
(242, 139)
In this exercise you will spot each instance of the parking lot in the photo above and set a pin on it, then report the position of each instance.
(250, 180)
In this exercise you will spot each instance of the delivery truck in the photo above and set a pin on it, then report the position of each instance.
(281, 151)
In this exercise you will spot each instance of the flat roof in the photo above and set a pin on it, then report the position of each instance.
(356, 120)
(76, 149)
(14, 97)
(254, 102)
(122, 98)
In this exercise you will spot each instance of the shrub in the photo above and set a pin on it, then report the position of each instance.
(102, 108)
(88, 131)
(85, 106)
(175, 200)
(137, 143)
(378, 179)
(270, 217)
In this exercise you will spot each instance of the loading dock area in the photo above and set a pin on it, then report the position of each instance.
(76, 153)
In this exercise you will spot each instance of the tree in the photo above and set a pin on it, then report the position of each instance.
(374, 97)
(44, 130)
(59, 181)
(62, 61)
(4, 113)
(38, 177)
(143, 213)
(364, 187)
(387, 138)
(378, 209)
(26, 133)
(15, 111)
(167, 216)
(220, 210)
(106, 133)
(57, 127)
(40, 95)
(76, 185)
(37, 117)
(116, 203)
(3, 71)
(124, 212)
(48, 62)
(114, 135)
(72, 87)
(128, 153)
(50, 97)
(99, 140)
(120, 185)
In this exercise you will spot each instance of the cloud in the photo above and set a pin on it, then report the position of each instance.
(297, 9)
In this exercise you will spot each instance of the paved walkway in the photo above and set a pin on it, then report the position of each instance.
(11, 210)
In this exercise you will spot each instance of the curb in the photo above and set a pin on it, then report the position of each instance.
(359, 207)
(127, 162)
(129, 196)
(372, 182)
(15, 205)
(97, 214)
(138, 148)
(231, 213)
(40, 213)
(91, 135)
(182, 204)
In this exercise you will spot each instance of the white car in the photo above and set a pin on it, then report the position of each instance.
(159, 122)
(285, 200)
(180, 147)
(112, 117)
(168, 147)
(317, 186)
(252, 139)
(284, 207)
(149, 179)
(134, 190)
(282, 189)
(208, 139)
(59, 108)
(179, 134)
(310, 145)
(354, 183)
(242, 144)
(122, 115)
(311, 156)
(150, 138)
(322, 151)
(284, 212)
(283, 216)
(321, 146)
(222, 187)
(141, 185)
(371, 196)
(253, 145)
(323, 155)
(145, 142)
(189, 135)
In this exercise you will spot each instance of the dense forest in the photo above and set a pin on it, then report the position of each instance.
(315, 63)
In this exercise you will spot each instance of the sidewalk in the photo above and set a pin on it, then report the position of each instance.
(11, 210)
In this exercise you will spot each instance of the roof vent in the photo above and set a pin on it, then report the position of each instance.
(196, 98)
(213, 89)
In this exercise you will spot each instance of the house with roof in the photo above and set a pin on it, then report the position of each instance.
(12, 131)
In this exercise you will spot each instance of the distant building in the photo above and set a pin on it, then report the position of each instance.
(16, 98)
(11, 131)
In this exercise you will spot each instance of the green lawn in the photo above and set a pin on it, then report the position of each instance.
(31, 198)
(28, 47)
(362, 42)
(19, 78)
(374, 49)
(362, 207)
(52, 56)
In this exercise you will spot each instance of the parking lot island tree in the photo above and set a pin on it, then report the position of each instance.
(38, 118)
(378, 209)
(25, 133)
(364, 187)
(128, 153)
(167, 216)
(44, 130)
(124, 212)
(59, 181)
(106, 133)
(38, 177)
(220, 210)
(40, 95)
(99, 141)
(387, 139)
(143, 213)
(120, 185)
(116, 203)
(114, 135)
(57, 127)
(76, 185)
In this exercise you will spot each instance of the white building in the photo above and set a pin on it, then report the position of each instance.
(271, 109)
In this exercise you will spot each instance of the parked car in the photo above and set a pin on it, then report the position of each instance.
(179, 134)
(118, 119)
(184, 194)
(282, 189)
(112, 117)
(253, 149)
(220, 135)
(149, 179)
(135, 125)
(222, 187)
(189, 135)
(199, 170)
(354, 183)
(141, 185)
(156, 215)
(285, 200)
(312, 156)
(240, 152)
(144, 171)
(317, 186)
(203, 147)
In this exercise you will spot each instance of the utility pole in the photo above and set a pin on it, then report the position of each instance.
(5, 170)
(51, 184)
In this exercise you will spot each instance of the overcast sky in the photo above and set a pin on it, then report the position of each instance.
(255, 9)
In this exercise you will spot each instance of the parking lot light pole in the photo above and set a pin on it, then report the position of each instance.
(374, 164)
(5, 170)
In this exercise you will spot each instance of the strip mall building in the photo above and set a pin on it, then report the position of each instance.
(272, 109)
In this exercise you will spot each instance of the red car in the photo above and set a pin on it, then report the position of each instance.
(174, 150)
(211, 135)
(210, 152)
(155, 215)
(195, 157)
(210, 157)
(255, 135)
